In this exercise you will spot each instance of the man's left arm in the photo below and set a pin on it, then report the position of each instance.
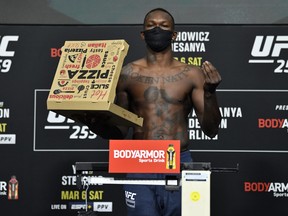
(205, 99)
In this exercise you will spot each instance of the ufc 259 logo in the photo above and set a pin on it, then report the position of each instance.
(268, 49)
(5, 53)
(59, 122)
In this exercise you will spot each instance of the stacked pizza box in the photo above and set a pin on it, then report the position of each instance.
(86, 79)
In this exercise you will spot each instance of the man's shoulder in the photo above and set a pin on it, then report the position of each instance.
(139, 63)
(194, 69)
(135, 65)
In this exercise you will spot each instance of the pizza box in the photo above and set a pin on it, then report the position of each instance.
(86, 79)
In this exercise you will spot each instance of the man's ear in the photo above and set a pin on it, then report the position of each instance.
(174, 36)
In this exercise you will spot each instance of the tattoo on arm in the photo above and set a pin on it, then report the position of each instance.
(125, 73)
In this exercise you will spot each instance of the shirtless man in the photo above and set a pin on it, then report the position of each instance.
(163, 91)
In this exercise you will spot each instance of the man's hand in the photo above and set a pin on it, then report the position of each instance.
(100, 124)
(91, 118)
(212, 77)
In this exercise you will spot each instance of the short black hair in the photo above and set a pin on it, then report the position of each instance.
(163, 10)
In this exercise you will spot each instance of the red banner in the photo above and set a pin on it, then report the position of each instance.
(144, 156)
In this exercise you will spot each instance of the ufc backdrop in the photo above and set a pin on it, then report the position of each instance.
(39, 148)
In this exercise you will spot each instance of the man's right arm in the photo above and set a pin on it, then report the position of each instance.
(100, 125)
(99, 122)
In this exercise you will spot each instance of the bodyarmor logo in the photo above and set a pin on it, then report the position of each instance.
(3, 188)
(279, 189)
(272, 123)
(268, 49)
(5, 53)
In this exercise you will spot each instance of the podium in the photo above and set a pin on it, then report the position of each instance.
(192, 178)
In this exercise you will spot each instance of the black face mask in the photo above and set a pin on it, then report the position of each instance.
(158, 39)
